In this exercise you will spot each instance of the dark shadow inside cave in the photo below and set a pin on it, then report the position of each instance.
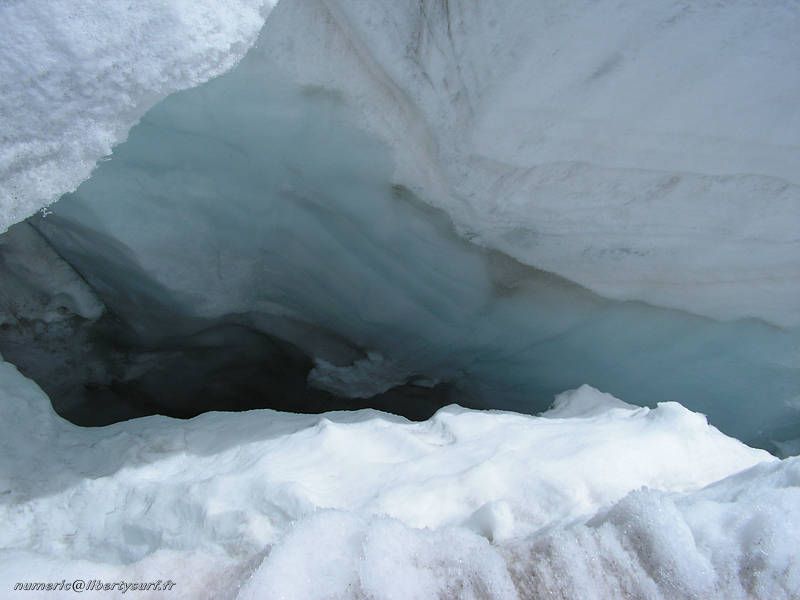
(95, 375)
(97, 368)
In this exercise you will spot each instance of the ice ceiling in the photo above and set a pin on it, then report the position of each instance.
(448, 220)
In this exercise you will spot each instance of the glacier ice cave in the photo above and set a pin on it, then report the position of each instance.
(315, 299)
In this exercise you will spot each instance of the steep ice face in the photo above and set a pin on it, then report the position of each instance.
(76, 75)
(646, 151)
(472, 503)
(649, 156)
(257, 203)
(291, 198)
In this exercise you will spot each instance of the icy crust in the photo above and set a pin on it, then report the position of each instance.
(76, 75)
(647, 151)
(596, 499)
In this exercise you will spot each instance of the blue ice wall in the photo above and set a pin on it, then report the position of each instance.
(256, 201)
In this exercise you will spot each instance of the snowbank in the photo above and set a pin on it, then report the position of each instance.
(76, 76)
(485, 504)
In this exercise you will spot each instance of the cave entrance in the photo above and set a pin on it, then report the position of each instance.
(99, 369)
(95, 376)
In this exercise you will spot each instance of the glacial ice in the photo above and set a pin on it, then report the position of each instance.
(234, 205)
(38, 285)
(647, 152)
(483, 203)
(651, 156)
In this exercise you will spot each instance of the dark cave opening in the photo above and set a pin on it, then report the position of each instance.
(99, 368)
(95, 374)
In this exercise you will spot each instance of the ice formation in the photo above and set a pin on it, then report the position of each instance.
(646, 152)
(401, 205)
(649, 156)
(234, 206)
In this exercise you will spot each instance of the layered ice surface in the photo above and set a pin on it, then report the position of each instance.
(647, 152)
(614, 200)
(500, 200)
(594, 499)
(256, 202)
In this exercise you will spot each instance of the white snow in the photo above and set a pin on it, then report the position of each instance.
(75, 75)
(471, 503)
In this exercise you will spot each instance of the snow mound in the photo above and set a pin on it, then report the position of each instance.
(585, 402)
(76, 76)
(469, 503)
(733, 539)
(358, 557)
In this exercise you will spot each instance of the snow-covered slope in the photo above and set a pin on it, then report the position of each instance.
(476, 504)
(647, 151)
(75, 75)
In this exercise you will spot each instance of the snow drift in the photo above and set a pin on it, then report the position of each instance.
(594, 499)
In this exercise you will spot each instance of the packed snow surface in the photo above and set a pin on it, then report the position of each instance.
(593, 499)
(75, 75)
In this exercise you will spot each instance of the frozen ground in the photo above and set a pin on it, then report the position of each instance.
(594, 499)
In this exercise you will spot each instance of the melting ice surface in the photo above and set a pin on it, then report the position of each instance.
(256, 202)
(454, 199)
